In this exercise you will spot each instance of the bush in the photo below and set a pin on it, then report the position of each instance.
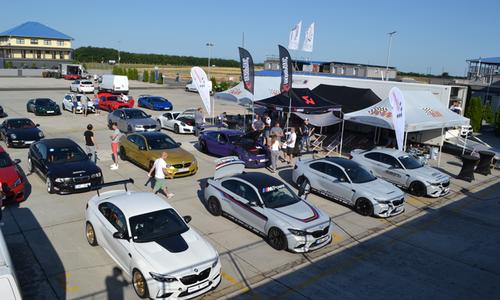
(130, 74)
(160, 78)
(136, 74)
(474, 112)
(151, 77)
(145, 76)
(488, 114)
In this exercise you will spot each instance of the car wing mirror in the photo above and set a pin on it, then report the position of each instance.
(37, 125)
(17, 161)
(122, 235)
(187, 219)
(179, 144)
(89, 155)
(304, 189)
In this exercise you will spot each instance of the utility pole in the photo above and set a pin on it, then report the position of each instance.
(243, 40)
(389, 54)
(209, 45)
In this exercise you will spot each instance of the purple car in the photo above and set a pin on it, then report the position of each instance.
(235, 143)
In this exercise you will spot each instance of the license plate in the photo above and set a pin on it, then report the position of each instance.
(183, 170)
(198, 287)
(321, 240)
(50, 111)
(263, 160)
(28, 142)
(82, 186)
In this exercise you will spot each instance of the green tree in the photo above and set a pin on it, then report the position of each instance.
(488, 114)
(136, 74)
(145, 76)
(115, 70)
(160, 78)
(151, 76)
(474, 112)
(130, 74)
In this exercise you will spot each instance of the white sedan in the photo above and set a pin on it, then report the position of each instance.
(81, 86)
(152, 244)
(177, 122)
(67, 103)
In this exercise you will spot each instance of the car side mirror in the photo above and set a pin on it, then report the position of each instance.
(252, 203)
(37, 125)
(179, 144)
(187, 219)
(122, 235)
(149, 116)
(17, 161)
(89, 155)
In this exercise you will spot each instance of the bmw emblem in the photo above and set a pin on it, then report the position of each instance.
(195, 270)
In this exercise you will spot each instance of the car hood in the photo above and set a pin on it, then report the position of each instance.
(300, 215)
(175, 156)
(25, 133)
(146, 121)
(9, 175)
(73, 169)
(380, 188)
(177, 255)
(161, 104)
(429, 174)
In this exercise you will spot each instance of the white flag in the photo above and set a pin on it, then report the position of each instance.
(294, 39)
(397, 101)
(203, 85)
(309, 39)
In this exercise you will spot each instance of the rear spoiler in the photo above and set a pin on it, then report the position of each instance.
(113, 183)
(228, 166)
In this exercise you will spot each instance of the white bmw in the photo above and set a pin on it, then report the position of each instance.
(152, 244)
(177, 122)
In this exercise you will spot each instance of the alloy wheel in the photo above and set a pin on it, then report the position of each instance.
(140, 285)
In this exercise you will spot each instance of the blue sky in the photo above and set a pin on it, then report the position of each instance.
(437, 35)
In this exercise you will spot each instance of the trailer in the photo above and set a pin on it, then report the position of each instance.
(73, 72)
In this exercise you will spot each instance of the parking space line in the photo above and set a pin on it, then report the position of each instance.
(241, 287)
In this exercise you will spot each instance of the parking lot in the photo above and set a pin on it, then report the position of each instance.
(46, 239)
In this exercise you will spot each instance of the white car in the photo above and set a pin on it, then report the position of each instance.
(177, 122)
(9, 286)
(67, 103)
(81, 86)
(152, 244)
(191, 87)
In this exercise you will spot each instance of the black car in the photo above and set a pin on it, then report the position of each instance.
(20, 132)
(3, 114)
(64, 165)
(43, 107)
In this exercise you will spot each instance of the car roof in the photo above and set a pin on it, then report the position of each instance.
(134, 203)
(343, 162)
(259, 180)
(57, 142)
(389, 151)
(226, 131)
(17, 119)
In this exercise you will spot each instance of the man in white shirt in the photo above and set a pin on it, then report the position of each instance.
(124, 98)
(290, 145)
(160, 167)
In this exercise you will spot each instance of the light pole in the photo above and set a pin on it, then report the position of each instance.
(209, 45)
(389, 54)
(119, 51)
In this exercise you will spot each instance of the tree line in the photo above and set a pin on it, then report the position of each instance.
(93, 54)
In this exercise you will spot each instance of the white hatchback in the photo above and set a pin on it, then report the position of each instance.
(152, 244)
(81, 86)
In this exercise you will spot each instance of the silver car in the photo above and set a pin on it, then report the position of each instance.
(347, 182)
(403, 170)
(267, 206)
(132, 120)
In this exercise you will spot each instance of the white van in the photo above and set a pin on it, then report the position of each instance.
(191, 87)
(113, 83)
(9, 286)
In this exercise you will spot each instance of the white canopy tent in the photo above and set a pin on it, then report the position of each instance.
(424, 111)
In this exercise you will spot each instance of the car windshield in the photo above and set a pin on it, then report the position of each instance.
(44, 102)
(20, 123)
(5, 160)
(112, 98)
(66, 154)
(409, 162)
(235, 137)
(156, 225)
(86, 82)
(278, 196)
(158, 100)
(161, 142)
(359, 175)
(135, 114)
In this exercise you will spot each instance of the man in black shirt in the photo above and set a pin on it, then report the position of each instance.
(90, 142)
(306, 130)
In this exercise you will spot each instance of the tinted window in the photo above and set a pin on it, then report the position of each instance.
(278, 196)
(20, 123)
(373, 156)
(66, 154)
(359, 175)
(133, 138)
(41, 149)
(44, 101)
(135, 114)
(5, 160)
(157, 100)
(389, 160)
(241, 189)
(155, 225)
(318, 166)
(168, 116)
(410, 162)
(114, 216)
(161, 142)
(221, 138)
(334, 171)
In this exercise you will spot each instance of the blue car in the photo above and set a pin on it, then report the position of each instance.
(154, 102)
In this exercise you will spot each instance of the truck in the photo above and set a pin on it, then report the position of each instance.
(73, 72)
(113, 83)
(9, 286)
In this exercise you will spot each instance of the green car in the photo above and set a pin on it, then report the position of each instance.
(43, 107)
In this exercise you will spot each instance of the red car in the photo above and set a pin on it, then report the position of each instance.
(12, 181)
(72, 76)
(112, 102)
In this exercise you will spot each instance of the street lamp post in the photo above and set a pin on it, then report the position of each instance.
(209, 45)
(119, 58)
(389, 54)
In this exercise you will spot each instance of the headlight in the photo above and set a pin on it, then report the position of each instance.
(215, 262)
(434, 183)
(40, 134)
(162, 278)
(96, 175)
(183, 124)
(139, 126)
(17, 182)
(13, 136)
(297, 232)
(382, 201)
(60, 180)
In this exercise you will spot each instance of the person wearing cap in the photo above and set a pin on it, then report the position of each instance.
(305, 131)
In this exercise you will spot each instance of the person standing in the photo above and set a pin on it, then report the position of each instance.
(74, 102)
(96, 104)
(306, 130)
(160, 167)
(274, 147)
(267, 128)
(199, 120)
(276, 131)
(124, 97)
(115, 140)
(85, 103)
(90, 142)
(290, 145)
(2, 198)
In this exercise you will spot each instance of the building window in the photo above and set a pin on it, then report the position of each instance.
(47, 42)
(34, 42)
(20, 41)
(60, 43)
(61, 55)
(23, 53)
(38, 54)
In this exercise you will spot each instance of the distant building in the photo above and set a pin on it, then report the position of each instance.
(34, 45)
(342, 69)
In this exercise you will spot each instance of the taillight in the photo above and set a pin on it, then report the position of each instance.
(350, 156)
(206, 184)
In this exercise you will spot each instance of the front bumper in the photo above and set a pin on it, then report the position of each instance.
(48, 113)
(147, 128)
(393, 208)
(183, 171)
(186, 129)
(439, 190)
(178, 290)
(15, 194)
(76, 186)
(302, 244)
(79, 109)
(259, 161)
(21, 143)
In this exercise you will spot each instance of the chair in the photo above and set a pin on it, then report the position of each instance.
(332, 145)
(317, 144)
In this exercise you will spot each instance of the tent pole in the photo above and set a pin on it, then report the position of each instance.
(289, 111)
(341, 137)
(405, 140)
(441, 146)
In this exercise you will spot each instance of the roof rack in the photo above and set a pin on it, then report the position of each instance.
(113, 183)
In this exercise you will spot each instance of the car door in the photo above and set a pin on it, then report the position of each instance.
(212, 143)
(317, 177)
(394, 171)
(67, 102)
(113, 220)
(338, 183)
(245, 204)
(122, 121)
(224, 148)
(167, 121)
(142, 149)
(374, 164)
(132, 147)
(39, 159)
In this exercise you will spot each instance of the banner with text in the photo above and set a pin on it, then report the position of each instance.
(247, 70)
(286, 71)
(397, 101)
(202, 84)
(309, 39)
(294, 38)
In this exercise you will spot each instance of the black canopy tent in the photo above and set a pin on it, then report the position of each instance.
(302, 100)
(351, 99)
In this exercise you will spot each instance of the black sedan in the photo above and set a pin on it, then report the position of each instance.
(64, 166)
(43, 107)
(20, 132)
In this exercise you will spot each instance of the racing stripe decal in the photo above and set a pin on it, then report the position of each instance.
(246, 207)
(307, 220)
